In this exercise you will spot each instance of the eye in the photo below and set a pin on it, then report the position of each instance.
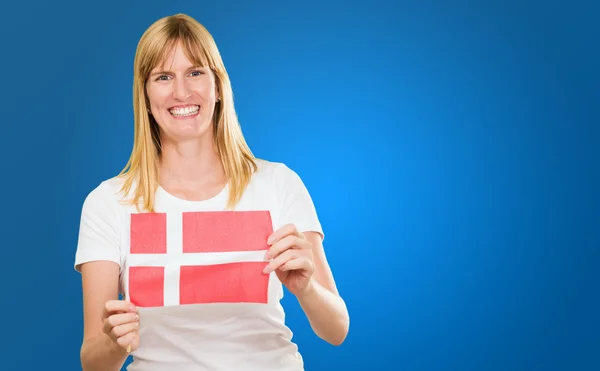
(197, 73)
(162, 77)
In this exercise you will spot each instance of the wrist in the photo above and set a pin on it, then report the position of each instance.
(309, 290)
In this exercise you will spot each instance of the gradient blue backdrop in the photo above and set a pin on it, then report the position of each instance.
(451, 149)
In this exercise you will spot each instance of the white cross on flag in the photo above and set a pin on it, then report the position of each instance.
(198, 258)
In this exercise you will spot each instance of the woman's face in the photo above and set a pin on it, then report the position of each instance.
(182, 97)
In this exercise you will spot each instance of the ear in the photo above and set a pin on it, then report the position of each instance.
(216, 82)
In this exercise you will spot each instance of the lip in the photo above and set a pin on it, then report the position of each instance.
(184, 106)
(185, 117)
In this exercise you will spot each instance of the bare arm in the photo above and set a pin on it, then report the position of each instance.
(99, 352)
(325, 309)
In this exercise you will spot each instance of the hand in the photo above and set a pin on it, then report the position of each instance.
(292, 259)
(121, 324)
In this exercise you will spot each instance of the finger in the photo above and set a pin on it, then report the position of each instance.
(134, 343)
(290, 241)
(281, 259)
(296, 264)
(118, 306)
(122, 330)
(126, 341)
(120, 319)
(288, 229)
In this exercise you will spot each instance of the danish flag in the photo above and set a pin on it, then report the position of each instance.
(198, 258)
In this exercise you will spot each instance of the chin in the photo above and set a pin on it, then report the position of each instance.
(189, 130)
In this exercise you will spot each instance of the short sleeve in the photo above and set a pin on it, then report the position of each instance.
(98, 230)
(295, 202)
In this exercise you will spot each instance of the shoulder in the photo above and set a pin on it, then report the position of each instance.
(100, 228)
(105, 196)
(294, 203)
(279, 179)
(277, 173)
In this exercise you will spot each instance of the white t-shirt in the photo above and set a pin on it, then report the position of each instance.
(195, 272)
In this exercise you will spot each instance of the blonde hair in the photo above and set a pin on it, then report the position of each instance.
(200, 48)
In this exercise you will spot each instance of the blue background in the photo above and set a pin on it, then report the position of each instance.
(451, 149)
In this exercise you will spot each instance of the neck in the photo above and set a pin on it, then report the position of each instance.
(190, 165)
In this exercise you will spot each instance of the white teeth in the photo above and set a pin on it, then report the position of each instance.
(187, 111)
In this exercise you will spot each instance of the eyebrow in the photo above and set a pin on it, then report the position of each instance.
(162, 72)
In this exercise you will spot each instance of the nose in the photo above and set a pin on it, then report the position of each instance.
(180, 90)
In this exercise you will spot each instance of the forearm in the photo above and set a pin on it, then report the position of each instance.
(326, 313)
(100, 353)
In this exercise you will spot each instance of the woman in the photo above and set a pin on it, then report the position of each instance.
(197, 234)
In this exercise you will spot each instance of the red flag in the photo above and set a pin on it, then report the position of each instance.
(198, 257)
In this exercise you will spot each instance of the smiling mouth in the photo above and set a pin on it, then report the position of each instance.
(187, 111)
